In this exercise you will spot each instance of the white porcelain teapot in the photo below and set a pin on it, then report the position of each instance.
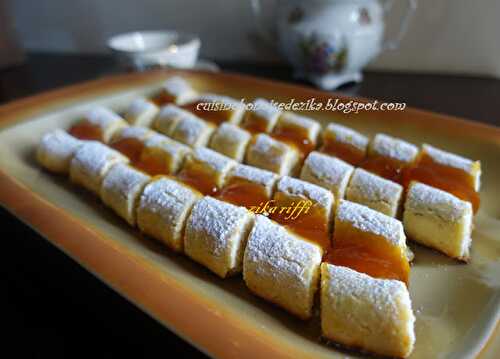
(328, 42)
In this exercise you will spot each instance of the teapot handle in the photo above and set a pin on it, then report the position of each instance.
(266, 31)
(403, 26)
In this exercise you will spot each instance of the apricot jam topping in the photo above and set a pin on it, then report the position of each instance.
(86, 131)
(384, 167)
(130, 147)
(311, 223)
(196, 176)
(344, 151)
(243, 193)
(300, 141)
(162, 98)
(254, 123)
(446, 178)
(368, 253)
(153, 162)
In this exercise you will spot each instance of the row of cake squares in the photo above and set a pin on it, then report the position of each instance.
(276, 264)
(392, 158)
(447, 232)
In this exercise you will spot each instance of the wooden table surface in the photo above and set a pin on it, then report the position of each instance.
(54, 308)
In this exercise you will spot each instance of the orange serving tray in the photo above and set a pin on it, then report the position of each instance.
(457, 306)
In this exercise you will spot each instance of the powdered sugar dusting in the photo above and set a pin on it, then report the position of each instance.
(448, 159)
(133, 132)
(167, 197)
(60, 144)
(190, 128)
(218, 162)
(102, 117)
(369, 220)
(265, 109)
(177, 86)
(375, 187)
(255, 175)
(384, 295)
(272, 149)
(232, 132)
(421, 197)
(140, 106)
(282, 251)
(124, 179)
(296, 187)
(219, 220)
(346, 135)
(328, 169)
(387, 146)
(94, 156)
(167, 144)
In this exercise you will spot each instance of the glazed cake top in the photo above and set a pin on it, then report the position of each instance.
(424, 198)
(255, 175)
(296, 187)
(219, 220)
(328, 168)
(265, 109)
(216, 161)
(373, 186)
(94, 156)
(368, 220)
(347, 135)
(397, 149)
(60, 143)
(102, 116)
(449, 159)
(285, 252)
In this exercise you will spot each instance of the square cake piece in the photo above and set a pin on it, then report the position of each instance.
(298, 130)
(206, 170)
(175, 90)
(121, 188)
(388, 156)
(217, 109)
(141, 112)
(438, 220)
(455, 174)
(328, 172)
(282, 267)
(272, 155)
(344, 143)
(98, 124)
(130, 141)
(361, 312)
(161, 155)
(56, 149)
(369, 242)
(216, 235)
(230, 140)
(163, 210)
(305, 208)
(262, 117)
(192, 131)
(375, 192)
(248, 186)
(90, 164)
(167, 119)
